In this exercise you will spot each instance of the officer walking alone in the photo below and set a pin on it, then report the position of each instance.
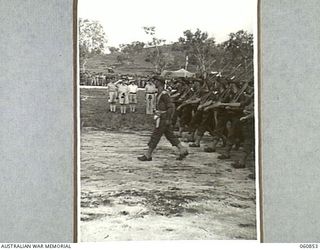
(163, 115)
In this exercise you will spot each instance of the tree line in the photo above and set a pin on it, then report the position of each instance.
(195, 50)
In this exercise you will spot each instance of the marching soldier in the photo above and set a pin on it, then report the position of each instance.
(233, 128)
(163, 116)
(248, 131)
(220, 115)
(189, 100)
(183, 114)
(203, 119)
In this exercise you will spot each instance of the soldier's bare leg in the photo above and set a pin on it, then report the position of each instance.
(248, 145)
(191, 136)
(226, 154)
(180, 131)
(197, 140)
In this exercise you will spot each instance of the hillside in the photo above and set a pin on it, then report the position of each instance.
(138, 64)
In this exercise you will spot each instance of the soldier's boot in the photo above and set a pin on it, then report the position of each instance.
(242, 162)
(196, 143)
(224, 142)
(237, 144)
(226, 155)
(189, 137)
(212, 146)
(183, 152)
(144, 158)
(147, 156)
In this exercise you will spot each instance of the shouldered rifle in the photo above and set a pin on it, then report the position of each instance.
(188, 102)
(204, 105)
(222, 104)
(240, 92)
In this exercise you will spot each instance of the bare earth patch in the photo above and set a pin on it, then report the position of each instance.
(198, 198)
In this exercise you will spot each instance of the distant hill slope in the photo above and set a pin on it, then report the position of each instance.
(139, 65)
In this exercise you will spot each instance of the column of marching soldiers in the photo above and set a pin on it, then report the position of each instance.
(219, 105)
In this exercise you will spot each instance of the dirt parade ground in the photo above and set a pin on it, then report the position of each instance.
(199, 198)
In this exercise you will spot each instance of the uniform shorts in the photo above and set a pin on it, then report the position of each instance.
(133, 98)
(112, 97)
(123, 98)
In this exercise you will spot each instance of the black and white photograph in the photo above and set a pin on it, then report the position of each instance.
(168, 120)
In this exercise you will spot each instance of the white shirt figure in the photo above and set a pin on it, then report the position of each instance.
(133, 88)
(123, 91)
(150, 88)
(133, 100)
(150, 97)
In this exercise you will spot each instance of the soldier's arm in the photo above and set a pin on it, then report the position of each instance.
(174, 95)
(194, 100)
(169, 106)
(205, 105)
(247, 117)
(212, 106)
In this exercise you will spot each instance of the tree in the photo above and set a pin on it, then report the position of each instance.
(113, 50)
(92, 39)
(132, 48)
(199, 48)
(239, 47)
(155, 54)
(126, 52)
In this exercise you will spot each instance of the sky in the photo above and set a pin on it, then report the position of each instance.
(123, 19)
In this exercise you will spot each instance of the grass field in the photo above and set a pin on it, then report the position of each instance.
(94, 112)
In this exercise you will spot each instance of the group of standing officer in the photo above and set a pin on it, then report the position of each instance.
(124, 92)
